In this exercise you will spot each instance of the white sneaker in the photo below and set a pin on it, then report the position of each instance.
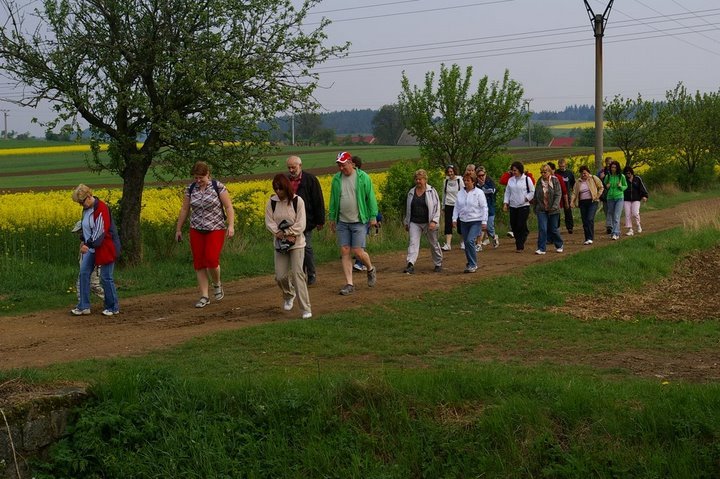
(80, 312)
(560, 250)
(462, 246)
(288, 304)
(629, 232)
(109, 312)
(478, 248)
(539, 252)
(496, 241)
(510, 234)
(307, 315)
(486, 241)
(639, 229)
(588, 242)
(445, 247)
(614, 237)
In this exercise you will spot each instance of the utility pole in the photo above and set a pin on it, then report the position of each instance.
(5, 115)
(598, 22)
(526, 102)
(292, 128)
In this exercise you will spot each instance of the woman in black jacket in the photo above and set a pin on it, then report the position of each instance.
(635, 194)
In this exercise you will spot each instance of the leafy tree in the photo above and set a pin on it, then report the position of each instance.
(388, 125)
(454, 126)
(325, 136)
(539, 134)
(586, 136)
(194, 78)
(307, 126)
(689, 132)
(632, 126)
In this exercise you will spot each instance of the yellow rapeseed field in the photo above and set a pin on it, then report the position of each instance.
(20, 212)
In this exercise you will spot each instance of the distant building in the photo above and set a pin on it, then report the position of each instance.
(356, 139)
(406, 139)
(562, 141)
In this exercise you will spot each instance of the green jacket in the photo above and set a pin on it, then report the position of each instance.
(615, 192)
(366, 202)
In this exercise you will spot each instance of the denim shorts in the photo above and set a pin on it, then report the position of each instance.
(351, 234)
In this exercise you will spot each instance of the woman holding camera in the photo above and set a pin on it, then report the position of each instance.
(285, 219)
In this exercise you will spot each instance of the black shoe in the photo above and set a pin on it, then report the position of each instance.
(438, 269)
(570, 231)
(311, 279)
(410, 269)
(608, 230)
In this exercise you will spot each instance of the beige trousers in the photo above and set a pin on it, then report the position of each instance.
(291, 278)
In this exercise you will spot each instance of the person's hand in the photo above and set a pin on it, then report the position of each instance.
(644, 199)
(373, 222)
(280, 234)
(230, 231)
(407, 227)
(178, 236)
(505, 206)
(432, 226)
(84, 248)
(483, 227)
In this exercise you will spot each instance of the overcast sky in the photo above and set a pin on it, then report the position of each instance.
(547, 45)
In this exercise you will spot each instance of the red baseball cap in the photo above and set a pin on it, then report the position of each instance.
(343, 157)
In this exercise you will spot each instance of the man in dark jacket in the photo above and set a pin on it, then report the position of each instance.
(307, 187)
(568, 178)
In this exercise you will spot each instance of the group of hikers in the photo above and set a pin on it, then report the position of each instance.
(297, 208)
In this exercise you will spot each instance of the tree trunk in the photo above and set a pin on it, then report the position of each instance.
(129, 226)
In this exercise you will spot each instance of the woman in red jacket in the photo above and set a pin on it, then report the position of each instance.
(97, 247)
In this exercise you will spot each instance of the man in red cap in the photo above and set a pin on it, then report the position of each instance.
(352, 207)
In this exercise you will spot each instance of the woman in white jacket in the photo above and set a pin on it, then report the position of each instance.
(518, 193)
(471, 208)
(422, 215)
(285, 219)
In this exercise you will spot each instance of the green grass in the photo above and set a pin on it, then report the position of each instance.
(436, 387)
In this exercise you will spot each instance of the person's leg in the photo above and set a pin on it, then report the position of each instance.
(87, 265)
(108, 282)
(358, 238)
(435, 250)
(554, 231)
(198, 245)
(309, 257)
(514, 216)
(414, 232)
(542, 220)
(569, 221)
(592, 212)
(298, 279)
(342, 233)
(627, 206)
(448, 210)
(214, 244)
(473, 230)
(282, 275)
(524, 213)
(635, 213)
(608, 216)
(584, 217)
(616, 217)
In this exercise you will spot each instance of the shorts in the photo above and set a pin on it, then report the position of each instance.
(206, 247)
(351, 234)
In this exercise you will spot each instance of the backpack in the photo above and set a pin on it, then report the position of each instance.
(273, 203)
(193, 185)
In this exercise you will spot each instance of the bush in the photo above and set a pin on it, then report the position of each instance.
(675, 174)
(400, 178)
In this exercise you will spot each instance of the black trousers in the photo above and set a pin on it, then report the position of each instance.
(518, 222)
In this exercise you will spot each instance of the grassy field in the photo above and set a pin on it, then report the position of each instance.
(452, 384)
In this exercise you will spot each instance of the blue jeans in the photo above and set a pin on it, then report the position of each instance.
(614, 211)
(491, 226)
(548, 229)
(470, 231)
(588, 208)
(87, 265)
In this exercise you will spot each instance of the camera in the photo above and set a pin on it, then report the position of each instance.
(284, 245)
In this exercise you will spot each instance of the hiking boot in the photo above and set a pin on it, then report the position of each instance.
(80, 312)
(372, 277)
(347, 289)
(409, 269)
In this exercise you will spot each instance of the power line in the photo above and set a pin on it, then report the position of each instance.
(362, 6)
(676, 21)
(412, 12)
